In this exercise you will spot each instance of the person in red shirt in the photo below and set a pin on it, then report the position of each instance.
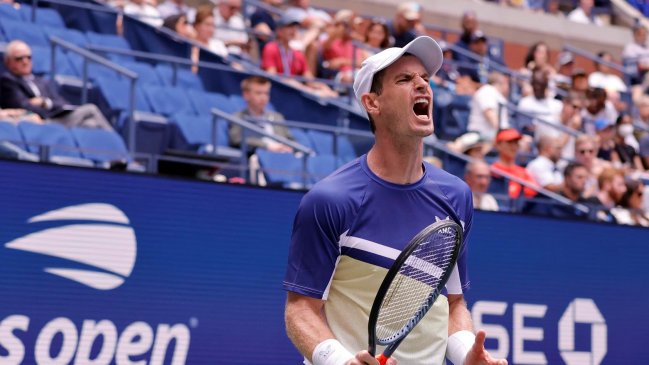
(507, 141)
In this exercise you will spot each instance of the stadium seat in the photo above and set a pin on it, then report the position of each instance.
(281, 169)
(32, 34)
(301, 137)
(100, 145)
(323, 143)
(238, 102)
(9, 132)
(204, 101)
(115, 92)
(53, 135)
(69, 35)
(44, 16)
(8, 11)
(42, 62)
(320, 166)
(168, 100)
(197, 131)
(146, 73)
(185, 78)
(454, 118)
(110, 41)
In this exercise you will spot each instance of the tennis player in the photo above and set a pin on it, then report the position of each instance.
(351, 226)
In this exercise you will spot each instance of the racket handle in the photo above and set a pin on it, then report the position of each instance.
(382, 359)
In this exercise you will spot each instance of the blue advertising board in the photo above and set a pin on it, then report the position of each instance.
(98, 267)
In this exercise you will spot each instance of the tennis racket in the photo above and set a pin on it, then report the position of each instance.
(412, 285)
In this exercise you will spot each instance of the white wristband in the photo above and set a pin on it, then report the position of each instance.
(331, 352)
(459, 345)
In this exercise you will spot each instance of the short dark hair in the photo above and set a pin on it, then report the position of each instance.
(259, 80)
(571, 168)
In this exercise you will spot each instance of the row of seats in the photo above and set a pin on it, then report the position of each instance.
(94, 146)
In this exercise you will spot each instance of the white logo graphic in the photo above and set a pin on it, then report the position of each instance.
(582, 310)
(108, 246)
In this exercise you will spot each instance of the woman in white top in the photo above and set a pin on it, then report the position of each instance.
(630, 210)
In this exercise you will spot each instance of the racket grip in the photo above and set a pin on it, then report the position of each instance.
(382, 359)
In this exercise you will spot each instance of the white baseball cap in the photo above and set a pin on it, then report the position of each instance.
(425, 48)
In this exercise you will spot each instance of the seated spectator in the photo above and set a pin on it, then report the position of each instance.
(204, 27)
(256, 93)
(544, 168)
(584, 14)
(630, 210)
(338, 51)
(230, 26)
(538, 56)
(637, 51)
(570, 117)
(642, 104)
(279, 58)
(644, 151)
(611, 187)
(477, 70)
(178, 23)
(507, 146)
(575, 177)
(478, 177)
(176, 7)
(487, 116)
(565, 67)
(22, 90)
(586, 154)
(377, 36)
(541, 104)
(144, 11)
(579, 82)
(448, 76)
(625, 155)
(597, 107)
(305, 14)
(604, 78)
(470, 144)
(263, 23)
(406, 24)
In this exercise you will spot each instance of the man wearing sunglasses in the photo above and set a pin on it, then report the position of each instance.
(20, 88)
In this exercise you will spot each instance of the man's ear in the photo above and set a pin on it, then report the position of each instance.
(370, 102)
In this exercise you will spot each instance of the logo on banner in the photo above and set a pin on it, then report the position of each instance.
(100, 239)
(582, 310)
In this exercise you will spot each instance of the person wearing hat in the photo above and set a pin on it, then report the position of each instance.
(406, 24)
(348, 223)
(279, 58)
(507, 145)
(477, 69)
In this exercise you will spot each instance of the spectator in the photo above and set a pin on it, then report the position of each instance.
(604, 78)
(306, 15)
(584, 13)
(312, 22)
(626, 154)
(630, 211)
(204, 27)
(575, 178)
(541, 105)
(487, 115)
(597, 107)
(256, 93)
(565, 67)
(377, 36)
(477, 69)
(569, 117)
(230, 26)
(638, 52)
(644, 151)
(544, 168)
(611, 187)
(470, 144)
(178, 23)
(478, 177)
(279, 58)
(642, 104)
(144, 11)
(507, 145)
(338, 49)
(538, 56)
(406, 25)
(20, 89)
(579, 82)
(586, 154)
(263, 23)
(176, 7)
(447, 76)
(469, 25)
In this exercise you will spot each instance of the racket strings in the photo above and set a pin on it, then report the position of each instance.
(416, 282)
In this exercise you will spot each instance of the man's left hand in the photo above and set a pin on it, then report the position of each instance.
(478, 355)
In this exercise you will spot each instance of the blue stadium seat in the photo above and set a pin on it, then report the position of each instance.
(197, 131)
(146, 72)
(69, 35)
(32, 34)
(184, 77)
(115, 92)
(9, 132)
(454, 118)
(42, 62)
(301, 137)
(238, 102)
(323, 143)
(320, 166)
(204, 101)
(281, 169)
(168, 100)
(100, 145)
(8, 11)
(44, 16)
(54, 135)
(111, 41)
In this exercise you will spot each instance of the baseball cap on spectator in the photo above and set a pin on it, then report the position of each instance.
(288, 19)
(423, 47)
(509, 134)
(579, 72)
(602, 123)
(344, 16)
(468, 141)
(409, 10)
(478, 35)
(565, 58)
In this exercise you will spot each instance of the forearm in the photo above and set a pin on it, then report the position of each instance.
(306, 324)
(459, 315)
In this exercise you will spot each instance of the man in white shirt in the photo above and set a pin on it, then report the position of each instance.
(478, 177)
(176, 7)
(488, 111)
(604, 78)
(544, 168)
(637, 51)
(541, 106)
(144, 11)
(584, 14)
(230, 26)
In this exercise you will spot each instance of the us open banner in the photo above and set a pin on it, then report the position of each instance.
(98, 267)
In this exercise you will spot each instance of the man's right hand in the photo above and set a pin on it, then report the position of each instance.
(364, 358)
